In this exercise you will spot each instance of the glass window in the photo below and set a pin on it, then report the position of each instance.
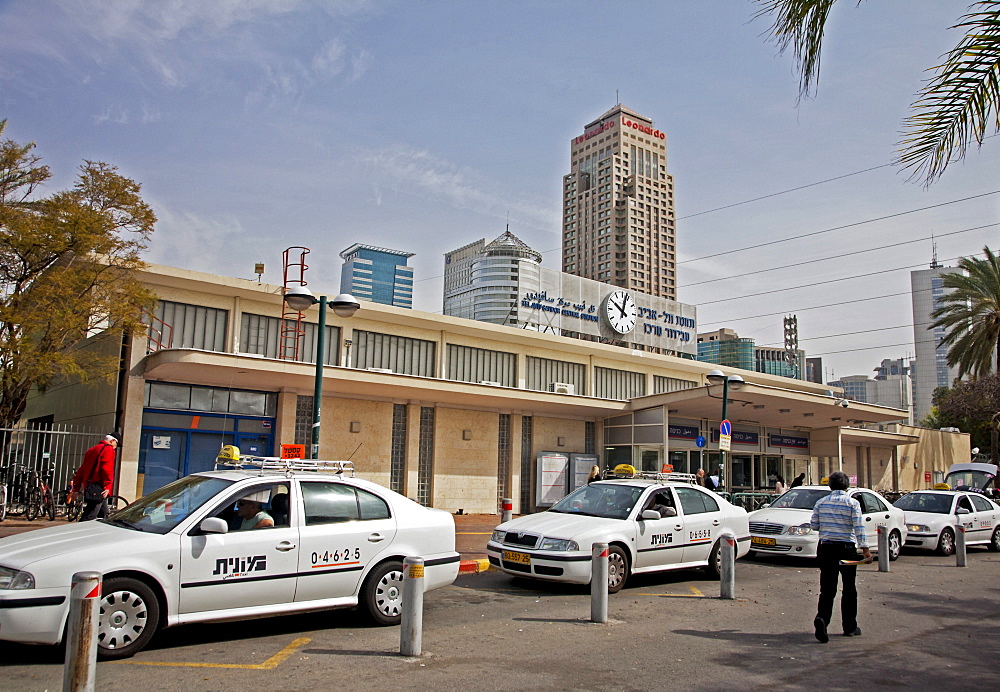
(329, 503)
(695, 501)
(981, 503)
(372, 506)
(163, 509)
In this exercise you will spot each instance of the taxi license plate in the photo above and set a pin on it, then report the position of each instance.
(523, 558)
(757, 540)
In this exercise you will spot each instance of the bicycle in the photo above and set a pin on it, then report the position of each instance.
(47, 503)
(75, 508)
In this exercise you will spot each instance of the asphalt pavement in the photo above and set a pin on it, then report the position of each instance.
(927, 625)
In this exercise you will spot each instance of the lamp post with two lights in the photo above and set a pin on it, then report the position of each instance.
(300, 299)
(728, 382)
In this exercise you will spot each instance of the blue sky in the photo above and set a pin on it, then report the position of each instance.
(255, 125)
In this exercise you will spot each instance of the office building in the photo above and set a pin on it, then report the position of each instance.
(481, 280)
(377, 274)
(930, 370)
(618, 206)
(726, 348)
(891, 387)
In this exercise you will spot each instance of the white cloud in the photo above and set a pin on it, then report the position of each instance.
(418, 172)
(183, 239)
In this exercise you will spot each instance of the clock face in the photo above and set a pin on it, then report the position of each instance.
(621, 312)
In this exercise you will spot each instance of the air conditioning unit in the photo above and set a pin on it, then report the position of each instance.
(490, 383)
(562, 388)
(387, 371)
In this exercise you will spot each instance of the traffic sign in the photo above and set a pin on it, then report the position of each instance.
(700, 440)
(725, 436)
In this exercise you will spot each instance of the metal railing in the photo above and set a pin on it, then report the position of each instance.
(57, 445)
(751, 501)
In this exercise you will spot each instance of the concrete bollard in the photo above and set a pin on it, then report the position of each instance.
(81, 633)
(727, 581)
(506, 509)
(883, 550)
(960, 546)
(412, 623)
(599, 583)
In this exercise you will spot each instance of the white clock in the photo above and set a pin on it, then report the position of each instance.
(621, 312)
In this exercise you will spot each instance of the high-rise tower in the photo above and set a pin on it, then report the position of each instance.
(618, 205)
(931, 368)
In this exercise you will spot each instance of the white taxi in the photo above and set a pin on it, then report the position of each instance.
(932, 517)
(259, 537)
(650, 525)
(783, 526)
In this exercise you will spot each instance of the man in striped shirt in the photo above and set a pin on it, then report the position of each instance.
(837, 519)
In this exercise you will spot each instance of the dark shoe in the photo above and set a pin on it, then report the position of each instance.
(821, 630)
(855, 633)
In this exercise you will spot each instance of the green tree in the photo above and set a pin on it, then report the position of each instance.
(67, 272)
(974, 407)
(971, 314)
(958, 105)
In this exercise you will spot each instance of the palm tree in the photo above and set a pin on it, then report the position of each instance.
(954, 108)
(971, 314)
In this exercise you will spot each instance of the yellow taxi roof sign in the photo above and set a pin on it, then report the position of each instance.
(625, 470)
(229, 453)
(941, 486)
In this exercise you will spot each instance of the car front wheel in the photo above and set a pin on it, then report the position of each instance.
(946, 543)
(129, 617)
(895, 545)
(617, 569)
(382, 595)
(713, 568)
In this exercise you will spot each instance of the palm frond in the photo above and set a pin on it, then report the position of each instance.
(799, 24)
(961, 103)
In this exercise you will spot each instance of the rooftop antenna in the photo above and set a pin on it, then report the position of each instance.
(934, 262)
(618, 101)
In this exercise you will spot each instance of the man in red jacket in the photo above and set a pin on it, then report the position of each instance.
(98, 469)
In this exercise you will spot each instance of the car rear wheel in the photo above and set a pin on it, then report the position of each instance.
(713, 569)
(946, 543)
(995, 541)
(382, 594)
(617, 569)
(895, 545)
(129, 617)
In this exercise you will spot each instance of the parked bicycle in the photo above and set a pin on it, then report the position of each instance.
(73, 509)
(40, 499)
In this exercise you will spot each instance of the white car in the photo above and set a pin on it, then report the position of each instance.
(182, 555)
(933, 515)
(783, 526)
(650, 525)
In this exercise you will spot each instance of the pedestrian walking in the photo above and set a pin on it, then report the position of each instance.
(96, 477)
(779, 485)
(798, 480)
(837, 518)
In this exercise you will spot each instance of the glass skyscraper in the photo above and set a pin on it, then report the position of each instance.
(377, 274)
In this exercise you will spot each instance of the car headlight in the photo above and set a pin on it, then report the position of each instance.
(558, 544)
(802, 530)
(498, 535)
(13, 579)
(918, 528)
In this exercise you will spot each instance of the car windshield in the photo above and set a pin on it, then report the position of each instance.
(600, 500)
(165, 508)
(800, 498)
(925, 502)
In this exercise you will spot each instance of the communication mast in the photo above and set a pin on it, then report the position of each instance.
(792, 344)
(294, 274)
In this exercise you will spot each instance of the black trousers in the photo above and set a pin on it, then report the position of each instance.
(829, 556)
(94, 509)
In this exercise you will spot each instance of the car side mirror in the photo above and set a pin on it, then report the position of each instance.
(650, 515)
(961, 510)
(765, 505)
(213, 525)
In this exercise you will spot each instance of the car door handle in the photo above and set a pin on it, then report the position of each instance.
(285, 546)
(868, 518)
(375, 538)
(678, 527)
(716, 522)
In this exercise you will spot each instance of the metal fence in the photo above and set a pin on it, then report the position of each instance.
(58, 445)
(751, 501)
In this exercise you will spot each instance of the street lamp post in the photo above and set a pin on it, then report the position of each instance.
(300, 299)
(728, 382)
